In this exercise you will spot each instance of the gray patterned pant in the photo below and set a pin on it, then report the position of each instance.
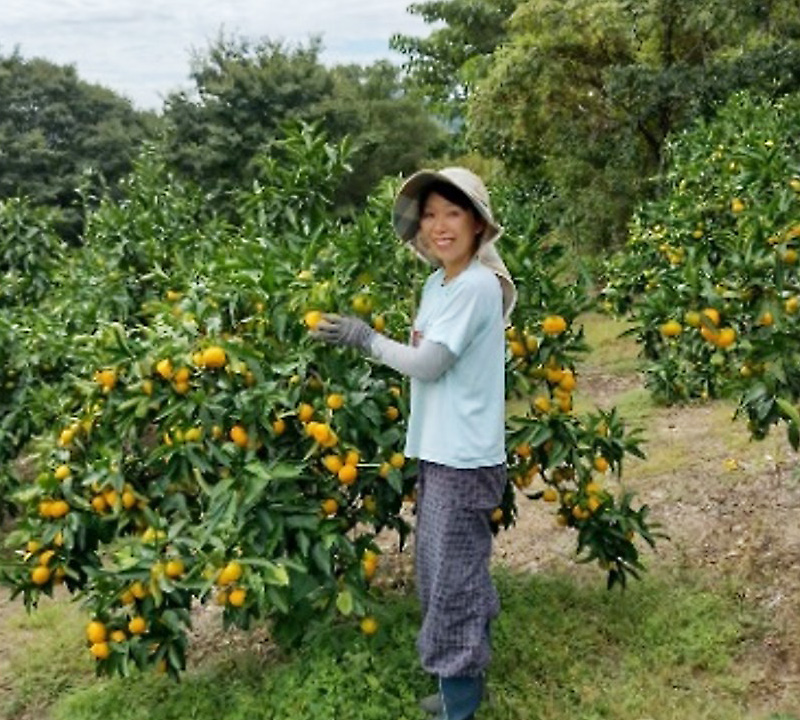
(453, 550)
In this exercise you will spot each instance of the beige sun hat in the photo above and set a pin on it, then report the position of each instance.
(405, 218)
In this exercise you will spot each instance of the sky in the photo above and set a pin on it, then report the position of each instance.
(142, 48)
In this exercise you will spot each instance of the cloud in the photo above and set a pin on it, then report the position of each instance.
(142, 48)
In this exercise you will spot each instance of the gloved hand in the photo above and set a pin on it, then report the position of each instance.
(344, 330)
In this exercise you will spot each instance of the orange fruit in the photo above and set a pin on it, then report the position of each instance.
(232, 572)
(352, 457)
(40, 575)
(737, 205)
(369, 626)
(726, 337)
(58, 508)
(712, 315)
(62, 472)
(554, 325)
(517, 348)
(333, 463)
(766, 319)
(138, 590)
(164, 368)
(100, 651)
(671, 328)
(497, 515)
(239, 436)
(335, 401)
(348, 474)
(379, 323)
(312, 319)
(214, 357)
(118, 636)
(362, 304)
(550, 495)
(600, 464)
(397, 460)
(99, 504)
(174, 569)
(330, 506)
(279, 426)
(392, 413)
(304, 412)
(137, 625)
(96, 632)
(181, 376)
(384, 469)
(568, 381)
(542, 404)
(321, 432)
(237, 597)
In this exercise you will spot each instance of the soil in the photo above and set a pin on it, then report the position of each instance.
(729, 505)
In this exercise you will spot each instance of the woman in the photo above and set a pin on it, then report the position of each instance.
(456, 426)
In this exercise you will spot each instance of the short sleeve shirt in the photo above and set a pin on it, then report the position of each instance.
(458, 419)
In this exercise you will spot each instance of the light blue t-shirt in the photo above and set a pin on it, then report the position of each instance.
(459, 419)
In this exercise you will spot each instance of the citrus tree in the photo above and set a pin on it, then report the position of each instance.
(211, 451)
(710, 271)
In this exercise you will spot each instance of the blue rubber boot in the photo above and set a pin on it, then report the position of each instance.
(461, 696)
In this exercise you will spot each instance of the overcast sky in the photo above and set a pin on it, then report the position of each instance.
(142, 48)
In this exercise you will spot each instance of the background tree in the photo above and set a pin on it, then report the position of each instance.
(445, 65)
(586, 92)
(54, 127)
(246, 92)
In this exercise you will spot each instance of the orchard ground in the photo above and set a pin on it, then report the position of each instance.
(730, 507)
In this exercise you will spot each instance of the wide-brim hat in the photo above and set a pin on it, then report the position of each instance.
(406, 212)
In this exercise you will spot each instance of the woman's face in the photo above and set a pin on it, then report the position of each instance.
(449, 231)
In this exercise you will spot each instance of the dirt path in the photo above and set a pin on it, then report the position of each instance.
(729, 505)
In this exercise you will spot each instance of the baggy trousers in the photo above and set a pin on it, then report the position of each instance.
(456, 593)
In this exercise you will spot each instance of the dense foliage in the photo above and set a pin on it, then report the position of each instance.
(710, 273)
(203, 448)
(59, 133)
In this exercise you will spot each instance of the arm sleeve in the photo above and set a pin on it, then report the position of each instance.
(428, 361)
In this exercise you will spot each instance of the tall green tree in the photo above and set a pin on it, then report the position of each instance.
(54, 128)
(246, 92)
(585, 92)
(445, 65)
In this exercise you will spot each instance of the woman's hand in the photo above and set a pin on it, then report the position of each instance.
(344, 330)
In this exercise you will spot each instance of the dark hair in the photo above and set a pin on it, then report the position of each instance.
(449, 192)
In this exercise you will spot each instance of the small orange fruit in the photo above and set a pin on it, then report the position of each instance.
(231, 573)
(239, 436)
(312, 319)
(335, 401)
(96, 632)
(369, 626)
(304, 412)
(330, 506)
(237, 597)
(100, 651)
(137, 625)
(348, 474)
(214, 357)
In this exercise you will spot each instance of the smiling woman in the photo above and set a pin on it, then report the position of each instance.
(145, 52)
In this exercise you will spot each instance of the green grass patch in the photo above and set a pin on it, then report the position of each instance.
(46, 657)
(563, 649)
(609, 350)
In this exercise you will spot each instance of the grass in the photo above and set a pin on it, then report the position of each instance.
(610, 351)
(667, 648)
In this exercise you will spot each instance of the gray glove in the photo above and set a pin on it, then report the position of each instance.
(344, 330)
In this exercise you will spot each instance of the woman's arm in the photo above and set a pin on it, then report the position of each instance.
(428, 361)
